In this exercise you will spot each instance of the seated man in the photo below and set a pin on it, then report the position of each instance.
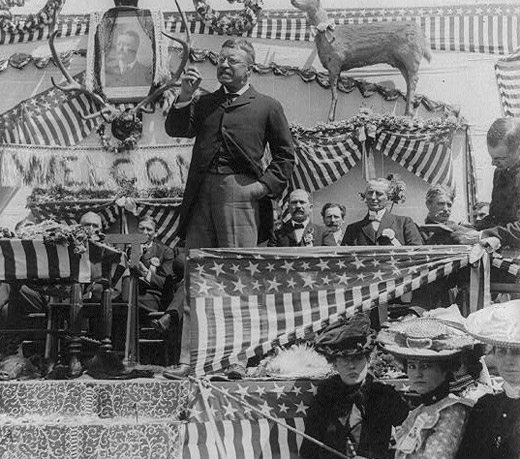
(300, 231)
(439, 201)
(379, 226)
(155, 269)
(333, 215)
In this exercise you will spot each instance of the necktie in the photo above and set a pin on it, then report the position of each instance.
(298, 225)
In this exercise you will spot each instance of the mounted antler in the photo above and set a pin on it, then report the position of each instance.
(72, 85)
(127, 122)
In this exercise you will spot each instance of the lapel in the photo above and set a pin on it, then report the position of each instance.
(368, 229)
(243, 99)
(386, 222)
(308, 230)
(288, 232)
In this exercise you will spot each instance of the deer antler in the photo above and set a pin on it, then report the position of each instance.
(140, 107)
(72, 84)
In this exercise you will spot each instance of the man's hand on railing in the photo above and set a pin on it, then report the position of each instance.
(491, 244)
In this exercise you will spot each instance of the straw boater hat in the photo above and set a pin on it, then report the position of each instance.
(349, 337)
(498, 324)
(423, 338)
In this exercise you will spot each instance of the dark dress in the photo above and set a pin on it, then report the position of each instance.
(493, 429)
(380, 406)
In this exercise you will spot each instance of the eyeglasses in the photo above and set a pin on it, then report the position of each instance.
(230, 60)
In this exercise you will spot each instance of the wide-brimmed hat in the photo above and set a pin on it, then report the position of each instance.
(498, 324)
(351, 336)
(423, 338)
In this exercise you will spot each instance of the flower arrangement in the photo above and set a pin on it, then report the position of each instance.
(229, 23)
(397, 194)
(57, 233)
(308, 237)
(31, 22)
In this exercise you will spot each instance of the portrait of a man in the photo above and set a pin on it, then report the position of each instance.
(123, 67)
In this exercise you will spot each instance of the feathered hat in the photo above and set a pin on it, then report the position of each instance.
(349, 337)
(423, 338)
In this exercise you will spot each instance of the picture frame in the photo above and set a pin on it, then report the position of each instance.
(124, 65)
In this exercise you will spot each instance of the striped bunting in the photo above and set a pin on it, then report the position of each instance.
(420, 154)
(321, 164)
(34, 259)
(506, 264)
(507, 73)
(476, 28)
(166, 214)
(246, 302)
(246, 434)
(52, 117)
(70, 212)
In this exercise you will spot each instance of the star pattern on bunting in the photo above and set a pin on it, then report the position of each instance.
(252, 275)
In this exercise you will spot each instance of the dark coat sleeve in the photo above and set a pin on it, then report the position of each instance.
(181, 122)
(509, 234)
(412, 236)
(475, 441)
(349, 238)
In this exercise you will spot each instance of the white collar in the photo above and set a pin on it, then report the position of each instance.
(241, 91)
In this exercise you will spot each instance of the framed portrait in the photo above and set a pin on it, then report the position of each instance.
(124, 59)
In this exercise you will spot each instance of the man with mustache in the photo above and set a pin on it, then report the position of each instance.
(439, 201)
(229, 190)
(300, 231)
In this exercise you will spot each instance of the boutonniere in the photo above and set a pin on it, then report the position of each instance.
(389, 234)
(154, 261)
(308, 238)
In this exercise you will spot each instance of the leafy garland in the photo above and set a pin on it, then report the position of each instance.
(31, 22)
(120, 146)
(229, 23)
(61, 193)
(378, 121)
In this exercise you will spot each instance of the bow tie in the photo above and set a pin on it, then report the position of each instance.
(374, 216)
(298, 225)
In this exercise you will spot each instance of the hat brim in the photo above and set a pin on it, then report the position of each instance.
(423, 354)
(495, 341)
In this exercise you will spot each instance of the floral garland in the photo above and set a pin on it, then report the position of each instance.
(229, 23)
(31, 22)
(59, 193)
(379, 121)
(129, 143)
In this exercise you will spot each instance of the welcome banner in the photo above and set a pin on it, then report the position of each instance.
(93, 167)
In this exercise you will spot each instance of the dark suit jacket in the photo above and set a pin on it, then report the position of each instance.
(158, 292)
(138, 75)
(244, 127)
(320, 235)
(362, 232)
(382, 408)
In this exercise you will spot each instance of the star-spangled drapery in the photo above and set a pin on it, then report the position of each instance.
(245, 302)
(247, 434)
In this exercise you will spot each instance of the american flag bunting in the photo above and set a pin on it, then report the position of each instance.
(245, 302)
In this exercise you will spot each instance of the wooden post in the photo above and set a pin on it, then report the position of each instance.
(132, 321)
(75, 328)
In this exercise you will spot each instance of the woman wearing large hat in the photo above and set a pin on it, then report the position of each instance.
(351, 412)
(430, 351)
(493, 429)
